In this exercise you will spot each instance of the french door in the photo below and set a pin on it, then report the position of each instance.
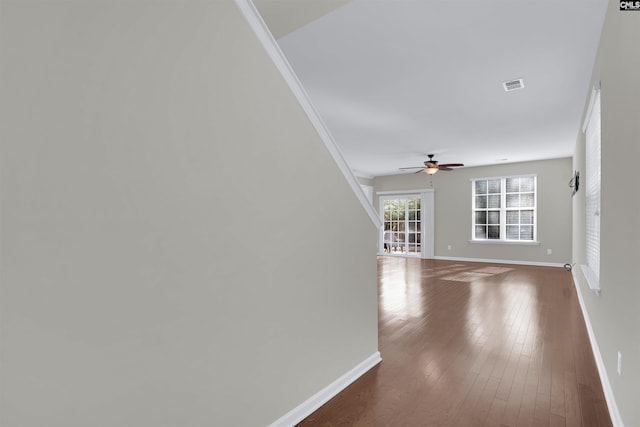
(402, 231)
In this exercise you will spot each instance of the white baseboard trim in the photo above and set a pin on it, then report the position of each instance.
(501, 261)
(307, 407)
(616, 419)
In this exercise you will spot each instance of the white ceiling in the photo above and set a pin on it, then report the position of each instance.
(395, 80)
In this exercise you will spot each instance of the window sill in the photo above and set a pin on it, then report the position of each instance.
(591, 278)
(505, 242)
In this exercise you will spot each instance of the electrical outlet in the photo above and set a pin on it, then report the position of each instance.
(549, 251)
(449, 247)
(619, 363)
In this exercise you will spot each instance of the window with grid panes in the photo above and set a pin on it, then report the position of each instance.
(504, 209)
(402, 225)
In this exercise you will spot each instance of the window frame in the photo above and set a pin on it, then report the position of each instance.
(503, 209)
(592, 129)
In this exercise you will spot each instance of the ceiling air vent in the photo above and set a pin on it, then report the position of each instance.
(513, 85)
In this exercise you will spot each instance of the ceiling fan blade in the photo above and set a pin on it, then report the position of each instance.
(444, 169)
(449, 165)
(420, 171)
(413, 167)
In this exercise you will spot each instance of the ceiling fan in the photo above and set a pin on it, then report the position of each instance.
(431, 166)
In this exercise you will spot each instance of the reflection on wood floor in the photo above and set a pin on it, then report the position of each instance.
(473, 344)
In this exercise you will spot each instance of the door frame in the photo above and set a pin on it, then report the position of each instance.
(427, 219)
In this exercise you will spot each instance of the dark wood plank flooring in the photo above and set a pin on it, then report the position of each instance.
(472, 344)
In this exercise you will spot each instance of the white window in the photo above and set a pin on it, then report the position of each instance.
(504, 209)
(408, 218)
(402, 225)
(592, 190)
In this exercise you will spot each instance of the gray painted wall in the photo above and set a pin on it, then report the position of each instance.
(453, 210)
(169, 256)
(615, 314)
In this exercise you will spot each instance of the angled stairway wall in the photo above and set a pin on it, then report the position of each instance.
(178, 247)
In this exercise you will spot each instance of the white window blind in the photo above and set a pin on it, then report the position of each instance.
(592, 190)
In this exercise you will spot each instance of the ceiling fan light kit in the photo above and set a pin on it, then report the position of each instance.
(431, 170)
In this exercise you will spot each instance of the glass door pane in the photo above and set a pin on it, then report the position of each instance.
(402, 226)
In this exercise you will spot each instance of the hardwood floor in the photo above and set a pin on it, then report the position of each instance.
(472, 344)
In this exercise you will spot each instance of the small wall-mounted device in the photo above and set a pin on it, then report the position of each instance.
(574, 183)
